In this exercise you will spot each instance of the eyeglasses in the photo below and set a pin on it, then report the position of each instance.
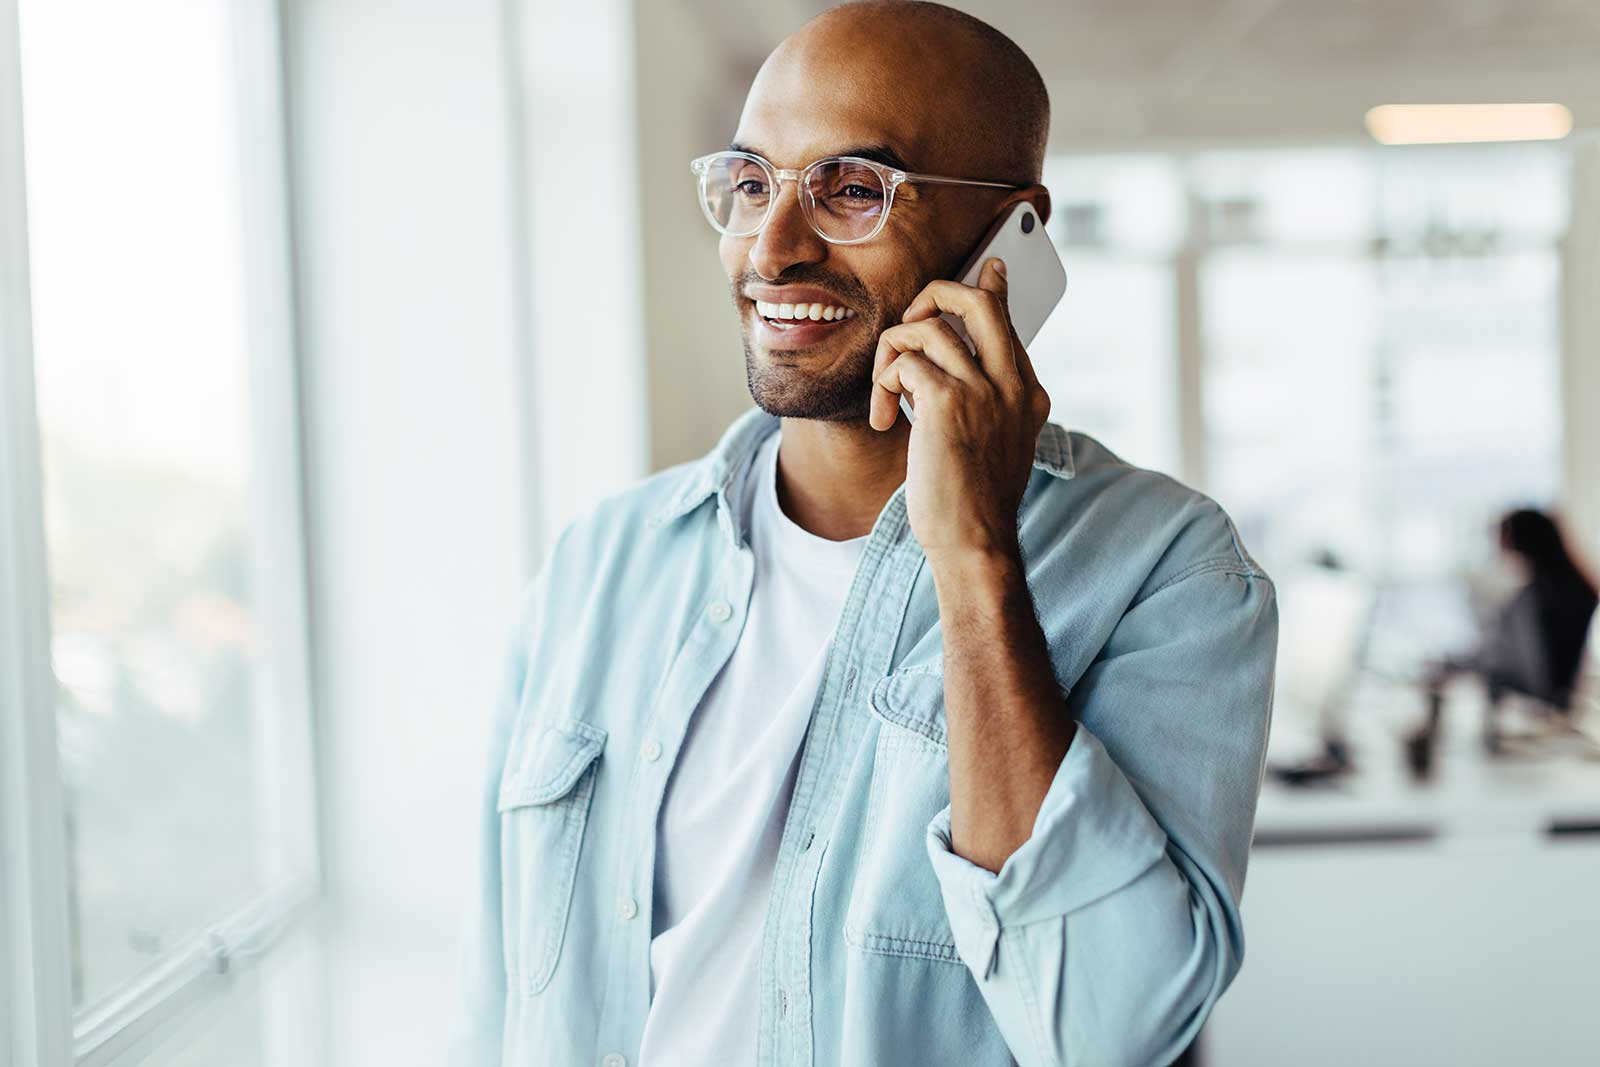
(846, 199)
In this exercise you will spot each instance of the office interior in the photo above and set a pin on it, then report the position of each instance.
(319, 320)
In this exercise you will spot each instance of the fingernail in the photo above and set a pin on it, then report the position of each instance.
(1000, 266)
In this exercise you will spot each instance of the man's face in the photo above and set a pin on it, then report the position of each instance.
(797, 113)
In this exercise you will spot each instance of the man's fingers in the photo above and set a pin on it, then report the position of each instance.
(934, 338)
(1002, 362)
(993, 278)
(1024, 362)
(911, 373)
(983, 314)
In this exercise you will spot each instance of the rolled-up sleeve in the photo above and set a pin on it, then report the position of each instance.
(1107, 936)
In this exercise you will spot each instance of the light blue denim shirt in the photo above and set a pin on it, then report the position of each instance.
(1104, 939)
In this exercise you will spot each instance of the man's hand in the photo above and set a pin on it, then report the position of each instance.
(971, 449)
(968, 464)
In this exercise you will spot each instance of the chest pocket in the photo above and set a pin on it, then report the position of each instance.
(896, 908)
(545, 793)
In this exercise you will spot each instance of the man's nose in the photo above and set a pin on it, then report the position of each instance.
(787, 238)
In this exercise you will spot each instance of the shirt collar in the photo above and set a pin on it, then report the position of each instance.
(715, 474)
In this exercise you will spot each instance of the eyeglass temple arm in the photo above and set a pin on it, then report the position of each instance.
(939, 180)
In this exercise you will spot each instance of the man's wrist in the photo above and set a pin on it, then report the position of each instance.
(976, 572)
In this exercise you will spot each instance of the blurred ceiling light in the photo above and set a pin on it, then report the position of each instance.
(1455, 123)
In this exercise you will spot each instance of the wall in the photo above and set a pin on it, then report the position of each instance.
(581, 169)
(690, 97)
(416, 468)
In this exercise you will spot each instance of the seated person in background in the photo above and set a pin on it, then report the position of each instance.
(1535, 644)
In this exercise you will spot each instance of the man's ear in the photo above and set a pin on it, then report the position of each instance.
(1040, 197)
(1035, 194)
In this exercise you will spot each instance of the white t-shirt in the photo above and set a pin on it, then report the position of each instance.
(725, 805)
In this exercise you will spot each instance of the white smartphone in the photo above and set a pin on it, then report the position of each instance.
(1036, 279)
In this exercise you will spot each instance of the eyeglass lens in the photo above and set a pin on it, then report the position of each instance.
(842, 199)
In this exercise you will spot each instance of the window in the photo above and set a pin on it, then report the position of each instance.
(1107, 357)
(167, 523)
(1371, 365)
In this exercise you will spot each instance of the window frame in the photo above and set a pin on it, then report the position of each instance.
(37, 1013)
(36, 1006)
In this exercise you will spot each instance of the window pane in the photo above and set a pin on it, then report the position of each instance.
(1510, 192)
(1131, 203)
(142, 370)
(1470, 391)
(1106, 355)
(1384, 391)
(1304, 197)
(1289, 420)
(228, 1032)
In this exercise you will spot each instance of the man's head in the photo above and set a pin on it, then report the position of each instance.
(942, 91)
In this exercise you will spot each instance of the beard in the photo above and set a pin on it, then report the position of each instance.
(842, 392)
(839, 392)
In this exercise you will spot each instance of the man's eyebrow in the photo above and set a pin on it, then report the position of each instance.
(878, 153)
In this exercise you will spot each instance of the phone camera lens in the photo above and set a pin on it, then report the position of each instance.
(1027, 222)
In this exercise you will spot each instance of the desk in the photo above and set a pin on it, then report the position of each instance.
(1456, 922)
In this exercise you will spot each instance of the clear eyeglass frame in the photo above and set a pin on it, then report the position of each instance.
(891, 177)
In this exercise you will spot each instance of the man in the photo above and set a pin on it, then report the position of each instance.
(859, 741)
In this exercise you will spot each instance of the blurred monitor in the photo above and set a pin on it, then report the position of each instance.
(1414, 622)
(1324, 618)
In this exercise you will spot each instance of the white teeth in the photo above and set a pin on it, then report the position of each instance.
(811, 312)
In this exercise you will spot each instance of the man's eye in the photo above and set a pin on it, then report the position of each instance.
(750, 187)
(853, 197)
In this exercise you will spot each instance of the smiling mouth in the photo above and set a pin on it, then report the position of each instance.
(789, 316)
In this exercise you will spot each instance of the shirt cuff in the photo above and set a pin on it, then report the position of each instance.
(1092, 836)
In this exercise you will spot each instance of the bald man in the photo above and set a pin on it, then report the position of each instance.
(863, 741)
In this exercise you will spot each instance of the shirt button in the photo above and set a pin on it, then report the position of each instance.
(652, 750)
(616, 1059)
(719, 611)
(627, 908)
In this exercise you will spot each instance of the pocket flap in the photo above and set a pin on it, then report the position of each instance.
(913, 699)
(545, 766)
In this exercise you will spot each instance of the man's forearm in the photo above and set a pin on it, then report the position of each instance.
(1007, 723)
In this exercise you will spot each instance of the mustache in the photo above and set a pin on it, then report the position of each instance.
(849, 290)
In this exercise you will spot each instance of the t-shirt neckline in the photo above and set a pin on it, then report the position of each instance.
(792, 537)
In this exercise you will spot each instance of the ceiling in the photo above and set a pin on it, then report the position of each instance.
(1183, 71)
